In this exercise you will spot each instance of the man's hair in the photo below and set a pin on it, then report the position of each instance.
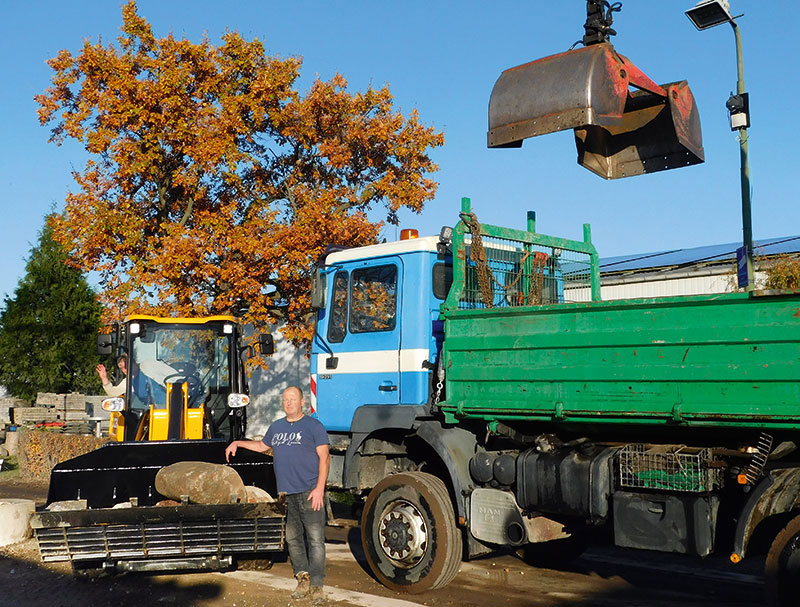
(299, 391)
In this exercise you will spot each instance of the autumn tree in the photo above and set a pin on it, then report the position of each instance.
(49, 327)
(213, 183)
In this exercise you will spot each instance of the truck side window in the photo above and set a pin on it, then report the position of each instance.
(337, 326)
(373, 299)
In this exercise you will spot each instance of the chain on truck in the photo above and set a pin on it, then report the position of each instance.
(481, 395)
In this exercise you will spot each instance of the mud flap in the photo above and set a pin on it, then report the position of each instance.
(618, 132)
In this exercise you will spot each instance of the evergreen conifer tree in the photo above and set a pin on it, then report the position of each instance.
(48, 328)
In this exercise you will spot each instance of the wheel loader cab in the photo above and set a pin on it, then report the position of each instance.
(180, 375)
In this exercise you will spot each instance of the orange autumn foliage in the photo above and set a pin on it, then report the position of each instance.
(213, 184)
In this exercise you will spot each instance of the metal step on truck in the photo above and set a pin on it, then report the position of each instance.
(481, 396)
(184, 399)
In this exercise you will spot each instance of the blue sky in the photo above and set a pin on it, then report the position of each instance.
(443, 59)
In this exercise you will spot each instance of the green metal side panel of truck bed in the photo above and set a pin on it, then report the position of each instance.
(721, 360)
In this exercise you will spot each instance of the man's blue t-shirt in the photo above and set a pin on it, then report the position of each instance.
(294, 449)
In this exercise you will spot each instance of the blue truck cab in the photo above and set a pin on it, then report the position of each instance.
(379, 332)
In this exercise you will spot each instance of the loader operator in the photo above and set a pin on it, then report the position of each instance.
(143, 390)
(300, 447)
(114, 389)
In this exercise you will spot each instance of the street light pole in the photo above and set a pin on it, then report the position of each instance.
(709, 13)
(747, 222)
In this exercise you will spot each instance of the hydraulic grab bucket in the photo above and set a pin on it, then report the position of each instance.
(619, 132)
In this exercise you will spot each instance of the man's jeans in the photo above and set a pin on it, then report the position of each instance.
(305, 536)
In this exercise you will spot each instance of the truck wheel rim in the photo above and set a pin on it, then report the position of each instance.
(403, 534)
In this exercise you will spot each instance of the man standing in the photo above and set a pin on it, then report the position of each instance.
(299, 446)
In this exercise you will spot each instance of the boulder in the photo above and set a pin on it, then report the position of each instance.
(257, 494)
(67, 505)
(202, 482)
(164, 503)
(15, 515)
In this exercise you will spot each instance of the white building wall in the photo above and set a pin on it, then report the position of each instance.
(700, 285)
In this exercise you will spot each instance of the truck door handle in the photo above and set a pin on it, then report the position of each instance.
(387, 387)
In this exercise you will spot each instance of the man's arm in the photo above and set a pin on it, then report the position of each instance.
(317, 495)
(251, 445)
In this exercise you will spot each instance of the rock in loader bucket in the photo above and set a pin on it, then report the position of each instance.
(618, 132)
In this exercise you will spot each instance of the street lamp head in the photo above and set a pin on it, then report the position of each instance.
(709, 13)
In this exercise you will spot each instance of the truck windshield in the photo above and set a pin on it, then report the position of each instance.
(163, 354)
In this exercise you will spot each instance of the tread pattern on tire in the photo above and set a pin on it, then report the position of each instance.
(453, 557)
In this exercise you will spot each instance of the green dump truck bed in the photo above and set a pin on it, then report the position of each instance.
(527, 338)
(730, 359)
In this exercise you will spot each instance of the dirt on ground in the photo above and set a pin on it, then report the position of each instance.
(27, 582)
(604, 577)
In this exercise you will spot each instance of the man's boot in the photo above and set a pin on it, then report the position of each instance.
(318, 597)
(303, 585)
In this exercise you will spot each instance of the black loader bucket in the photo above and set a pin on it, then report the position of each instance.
(618, 132)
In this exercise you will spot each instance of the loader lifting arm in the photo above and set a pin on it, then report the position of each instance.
(619, 132)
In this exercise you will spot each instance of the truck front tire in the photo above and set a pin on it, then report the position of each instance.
(409, 533)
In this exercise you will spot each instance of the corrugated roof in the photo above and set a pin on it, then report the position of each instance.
(678, 258)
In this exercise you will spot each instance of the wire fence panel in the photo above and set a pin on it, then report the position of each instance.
(517, 273)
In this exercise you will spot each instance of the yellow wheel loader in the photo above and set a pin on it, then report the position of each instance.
(184, 400)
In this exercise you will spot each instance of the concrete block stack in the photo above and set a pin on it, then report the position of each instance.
(73, 413)
(7, 406)
(30, 416)
(75, 417)
(47, 410)
(56, 413)
(50, 399)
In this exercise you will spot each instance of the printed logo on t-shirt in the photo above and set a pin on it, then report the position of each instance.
(286, 438)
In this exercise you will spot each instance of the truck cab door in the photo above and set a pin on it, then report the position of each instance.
(361, 327)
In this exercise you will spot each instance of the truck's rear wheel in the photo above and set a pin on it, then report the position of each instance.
(782, 569)
(409, 533)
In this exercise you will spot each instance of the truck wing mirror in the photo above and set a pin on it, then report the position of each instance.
(105, 344)
(318, 282)
(266, 344)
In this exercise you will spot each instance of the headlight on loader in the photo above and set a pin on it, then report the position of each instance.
(235, 401)
(115, 404)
